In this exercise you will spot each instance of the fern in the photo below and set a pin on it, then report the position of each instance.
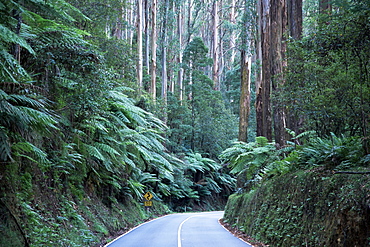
(261, 141)
(136, 188)
(107, 149)
(94, 152)
(306, 134)
(250, 160)
(22, 116)
(10, 70)
(31, 152)
(8, 36)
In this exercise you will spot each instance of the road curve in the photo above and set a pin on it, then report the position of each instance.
(180, 230)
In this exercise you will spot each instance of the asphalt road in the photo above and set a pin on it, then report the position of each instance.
(180, 230)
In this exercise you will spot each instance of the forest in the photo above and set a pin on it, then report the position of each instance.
(258, 107)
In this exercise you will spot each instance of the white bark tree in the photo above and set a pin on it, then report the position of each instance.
(153, 69)
(139, 24)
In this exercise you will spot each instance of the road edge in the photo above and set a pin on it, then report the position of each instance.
(132, 229)
(241, 235)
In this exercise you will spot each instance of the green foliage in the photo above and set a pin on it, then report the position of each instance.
(333, 153)
(22, 115)
(195, 55)
(304, 208)
(209, 126)
(327, 75)
(198, 179)
(71, 130)
(249, 160)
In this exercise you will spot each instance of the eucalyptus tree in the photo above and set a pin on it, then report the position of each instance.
(153, 68)
(278, 17)
(321, 60)
(215, 45)
(139, 44)
(164, 40)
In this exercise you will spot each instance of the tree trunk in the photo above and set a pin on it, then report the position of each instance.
(277, 53)
(294, 15)
(164, 54)
(244, 97)
(153, 69)
(189, 21)
(258, 82)
(140, 45)
(295, 19)
(130, 21)
(232, 36)
(181, 70)
(17, 48)
(215, 69)
(263, 105)
(147, 36)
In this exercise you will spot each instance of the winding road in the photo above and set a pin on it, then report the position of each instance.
(180, 230)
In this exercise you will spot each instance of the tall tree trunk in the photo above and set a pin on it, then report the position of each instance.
(277, 53)
(164, 54)
(295, 20)
(245, 97)
(140, 44)
(258, 82)
(171, 34)
(130, 21)
(215, 68)
(189, 21)
(180, 76)
(153, 70)
(147, 35)
(263, 104)
(232, 35)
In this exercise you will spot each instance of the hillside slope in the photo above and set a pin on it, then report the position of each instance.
(54, 219)
(306, 208)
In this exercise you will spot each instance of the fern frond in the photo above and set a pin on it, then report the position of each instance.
(136, 188)
(306, 134)
(38, 119)
(10, 68)
(22, 148)
(261, 141)
(213, 185)
(94, 152)
(8, 36)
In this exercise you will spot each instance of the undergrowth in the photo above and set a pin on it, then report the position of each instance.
(305, 209)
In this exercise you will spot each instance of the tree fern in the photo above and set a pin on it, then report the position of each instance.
(31, 152)
(93, 151)
(248, 160)
(22, 115)
(9, 37)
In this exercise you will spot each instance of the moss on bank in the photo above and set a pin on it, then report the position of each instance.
(305, 209)
(57, 220)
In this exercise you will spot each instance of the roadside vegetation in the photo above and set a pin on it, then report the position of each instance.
(315, 194)
(103, 101)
